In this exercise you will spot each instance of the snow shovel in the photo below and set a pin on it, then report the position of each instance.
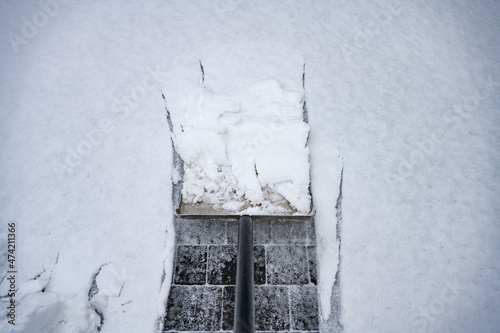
(244, 313)
(244, 316)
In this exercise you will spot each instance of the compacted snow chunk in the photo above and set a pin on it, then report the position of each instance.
(245, 151)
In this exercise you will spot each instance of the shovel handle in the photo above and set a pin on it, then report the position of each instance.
(244, 312)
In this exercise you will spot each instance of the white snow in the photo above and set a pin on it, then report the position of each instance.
(403, 95)
(84, 169)
(245, 150)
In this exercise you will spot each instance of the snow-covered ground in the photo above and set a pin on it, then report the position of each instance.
(403, 95)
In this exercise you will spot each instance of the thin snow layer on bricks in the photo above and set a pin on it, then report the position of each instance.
(203, 286)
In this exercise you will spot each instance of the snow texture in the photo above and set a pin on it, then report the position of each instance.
(403, 94)
(245, 150)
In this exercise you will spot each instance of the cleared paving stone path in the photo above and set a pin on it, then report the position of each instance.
(201, 297)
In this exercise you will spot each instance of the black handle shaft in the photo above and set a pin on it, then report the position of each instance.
(244, 312)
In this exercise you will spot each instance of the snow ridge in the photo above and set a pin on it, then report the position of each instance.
(336, 295)
(177, 161)
(333, 323)
(177, 181)
(305, 112)
(94, 289)
(167, 113)
(202, 73)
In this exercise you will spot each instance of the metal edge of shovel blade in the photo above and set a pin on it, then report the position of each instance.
(206, 211)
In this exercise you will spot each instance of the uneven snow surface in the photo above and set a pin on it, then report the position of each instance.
(245, 151)
(403, 96)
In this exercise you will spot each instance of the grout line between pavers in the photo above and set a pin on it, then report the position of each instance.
(206, 265)
(222, 307)
(308, 264)
(271, 233)
(174, 270)
(289, 308)
(226, 236)
(265, 265)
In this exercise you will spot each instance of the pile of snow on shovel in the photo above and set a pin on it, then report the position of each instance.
(245, 150)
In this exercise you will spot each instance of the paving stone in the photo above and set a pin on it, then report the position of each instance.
(232, 231)
(285, 260)
(268, 231)
(304, 308)
(311, 233)
(287, 265)
(193, 308)
(199, 232)
(271, 308)
(222, 265)
(259, 265)
(289, 232)
(313, 269)
(261, 231)
(190, 264)
(228, 297)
